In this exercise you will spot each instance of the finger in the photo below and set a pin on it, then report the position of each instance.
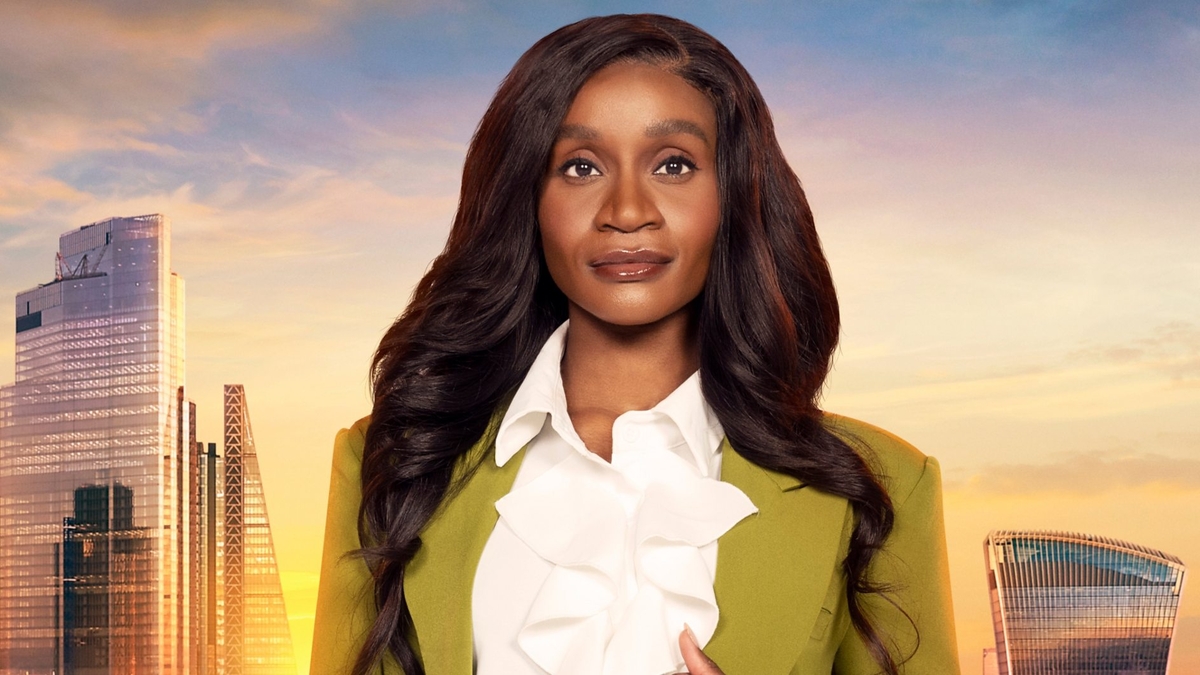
(694, 658)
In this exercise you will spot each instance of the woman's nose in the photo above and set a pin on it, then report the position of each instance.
(630, 206)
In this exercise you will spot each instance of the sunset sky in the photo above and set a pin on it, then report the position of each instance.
(1007, 193)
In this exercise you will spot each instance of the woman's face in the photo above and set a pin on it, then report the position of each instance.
(629, 207)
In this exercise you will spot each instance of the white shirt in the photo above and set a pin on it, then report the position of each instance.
(593, 568)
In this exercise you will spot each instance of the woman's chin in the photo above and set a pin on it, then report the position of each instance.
(629, 317)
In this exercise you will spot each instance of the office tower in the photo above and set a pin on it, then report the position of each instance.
(1075, 604)
(258, 640)
(94, 462)
(107, 567)
(210, 570)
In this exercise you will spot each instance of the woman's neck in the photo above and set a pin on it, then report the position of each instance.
(608, 370)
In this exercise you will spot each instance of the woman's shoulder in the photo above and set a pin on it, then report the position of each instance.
(348, 446)
(353, 437)
(898, 464)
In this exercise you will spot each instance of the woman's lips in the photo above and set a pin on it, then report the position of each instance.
(626, 265)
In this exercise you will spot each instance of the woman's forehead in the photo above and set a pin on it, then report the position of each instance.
(663, 102)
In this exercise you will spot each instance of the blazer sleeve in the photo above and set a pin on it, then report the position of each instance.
(345, 598)
(913, 565)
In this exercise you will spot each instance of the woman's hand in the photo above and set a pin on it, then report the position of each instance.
(696, 661)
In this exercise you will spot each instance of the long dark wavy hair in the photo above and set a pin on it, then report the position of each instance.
(768, 314)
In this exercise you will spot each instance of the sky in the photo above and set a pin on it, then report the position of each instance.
(1006, 192)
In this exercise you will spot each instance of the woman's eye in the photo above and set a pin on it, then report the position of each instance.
(675, 166)
(579, 168)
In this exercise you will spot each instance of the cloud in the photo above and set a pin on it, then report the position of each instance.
(188, 28)
(96, 82)
(22, 193)
(1036, 380)
(83, 59)
(238, 115)
(1084, 473)
(1172, 349)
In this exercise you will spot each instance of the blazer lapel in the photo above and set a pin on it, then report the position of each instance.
(438, 581)
(773, 569)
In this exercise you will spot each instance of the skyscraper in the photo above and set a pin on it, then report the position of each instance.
(210, 569)
(94, 451)
(1076, 604)
(125, 546)
(258, 640)
(106, 573)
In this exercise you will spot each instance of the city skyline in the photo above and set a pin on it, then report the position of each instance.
(125, 547)
(1003, 191)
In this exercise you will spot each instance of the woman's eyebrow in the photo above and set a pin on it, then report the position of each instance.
(676, 126)
(655, 130)
(578, 131)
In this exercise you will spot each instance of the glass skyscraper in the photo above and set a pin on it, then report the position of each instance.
(114, 521)
(1076, 604)
(95, 407)
(107, 574)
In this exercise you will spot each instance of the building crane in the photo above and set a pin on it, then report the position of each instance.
(83, 269)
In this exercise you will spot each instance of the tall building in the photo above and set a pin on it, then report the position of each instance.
(93, 454)
(258, 640)
(210, 570)
(107, 565)
(1076, 604)
(126, 546)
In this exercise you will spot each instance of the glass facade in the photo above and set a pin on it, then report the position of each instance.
(1074, 604)
(107, 569)
(210, 568)
(93, 455)
(126, 546)
(257, 636)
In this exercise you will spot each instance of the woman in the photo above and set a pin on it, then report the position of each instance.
(595, 445)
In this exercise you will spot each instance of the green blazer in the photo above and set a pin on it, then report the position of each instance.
(779, 582)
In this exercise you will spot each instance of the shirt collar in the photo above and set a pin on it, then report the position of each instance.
(697, 422)
(541, 394)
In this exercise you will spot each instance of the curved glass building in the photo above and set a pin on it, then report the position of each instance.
(1076, 604)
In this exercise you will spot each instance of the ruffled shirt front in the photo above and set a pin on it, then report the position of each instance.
(594, 568)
